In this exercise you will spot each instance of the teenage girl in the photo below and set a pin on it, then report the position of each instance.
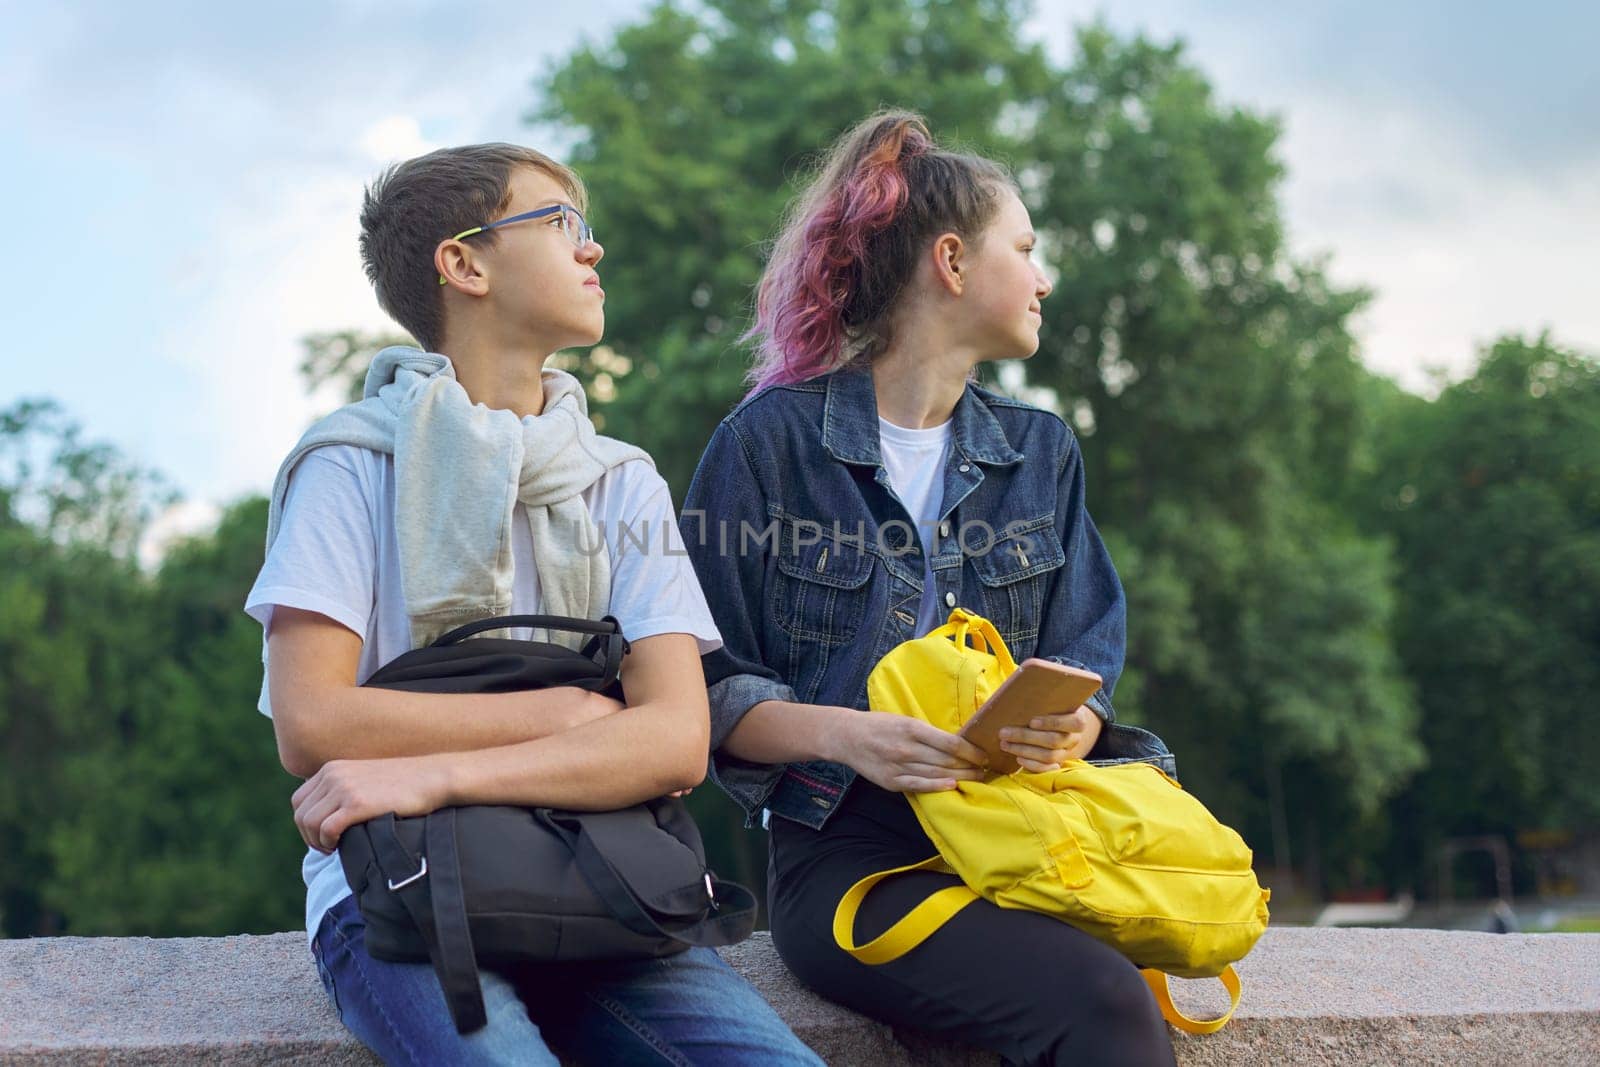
(865, 488)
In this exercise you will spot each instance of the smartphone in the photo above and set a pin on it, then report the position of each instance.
(1037, 687)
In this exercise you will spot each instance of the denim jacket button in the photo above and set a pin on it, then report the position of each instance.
(964, 468)
(822, 802)
(944, 529)
(949, 600)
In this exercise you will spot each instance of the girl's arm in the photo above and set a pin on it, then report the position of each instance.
(757, 725)
(900, 754)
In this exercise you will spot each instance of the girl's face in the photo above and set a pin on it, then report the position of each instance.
(1003, 287)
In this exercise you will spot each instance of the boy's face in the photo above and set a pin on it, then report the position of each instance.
(543, 289)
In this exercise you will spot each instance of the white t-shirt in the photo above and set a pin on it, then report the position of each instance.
(337, 554)
(914, 461)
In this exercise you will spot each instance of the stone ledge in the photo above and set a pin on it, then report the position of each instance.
(1324, 996)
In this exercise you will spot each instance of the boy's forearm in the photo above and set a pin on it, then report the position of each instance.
(372, 723)
(636, 754)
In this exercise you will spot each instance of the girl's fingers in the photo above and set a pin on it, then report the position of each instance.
(1063, 723)
(1038, 753)
(944, 763)
(915, 784)
(939, 770)
(1039, 738)
(952, 745)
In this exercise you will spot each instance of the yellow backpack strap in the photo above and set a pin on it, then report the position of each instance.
(917, 926)
(997, 646)
(1157, 982)
(966, 706)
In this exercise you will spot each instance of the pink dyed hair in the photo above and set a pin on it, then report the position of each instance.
(851, 241)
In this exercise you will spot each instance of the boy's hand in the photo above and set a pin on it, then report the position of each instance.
(1050, 740)
(346, 792)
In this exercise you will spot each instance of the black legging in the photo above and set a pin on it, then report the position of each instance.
(1020, 983)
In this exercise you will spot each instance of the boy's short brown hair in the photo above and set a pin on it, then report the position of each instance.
(414, 205)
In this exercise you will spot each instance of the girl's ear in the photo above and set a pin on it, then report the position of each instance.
(949, 252)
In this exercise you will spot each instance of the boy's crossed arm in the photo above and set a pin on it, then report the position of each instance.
(411, 754)
(320, 714)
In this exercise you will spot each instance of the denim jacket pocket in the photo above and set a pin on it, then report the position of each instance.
(1015, 575)
(820, 594)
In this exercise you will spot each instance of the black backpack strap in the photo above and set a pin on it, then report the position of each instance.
(606, 635)
(598, 843)
(617, 646)
(438, 908)
(601, 627)
(456, 963)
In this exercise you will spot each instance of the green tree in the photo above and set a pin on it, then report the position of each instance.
(693, 127)
(1492, 496)
(183, 828)
(1221, 399)
(1213, 378)
(73, 646)
(338, 359)
(73, 491)
(138, 792)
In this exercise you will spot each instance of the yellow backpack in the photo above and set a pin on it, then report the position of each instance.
(1122, 852)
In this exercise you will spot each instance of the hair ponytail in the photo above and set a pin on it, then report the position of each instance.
(849, 243)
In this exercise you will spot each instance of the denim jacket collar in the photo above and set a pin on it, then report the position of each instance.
(850, 423)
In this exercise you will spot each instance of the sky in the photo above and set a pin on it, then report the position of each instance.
(183, 182)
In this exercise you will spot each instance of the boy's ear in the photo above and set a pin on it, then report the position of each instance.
(948, 254)
(459, 268)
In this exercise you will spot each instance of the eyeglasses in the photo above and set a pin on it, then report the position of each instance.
(573, 225)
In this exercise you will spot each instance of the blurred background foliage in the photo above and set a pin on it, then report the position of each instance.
(1365, 621)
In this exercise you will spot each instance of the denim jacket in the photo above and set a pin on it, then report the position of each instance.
(814, 570)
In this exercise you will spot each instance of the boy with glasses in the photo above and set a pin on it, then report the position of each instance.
(470, 483)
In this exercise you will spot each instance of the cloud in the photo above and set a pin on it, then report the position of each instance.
(202, 169)
(205, 169)
(1457, 252)
(396, 137)
(288, 272)
(1444, 161)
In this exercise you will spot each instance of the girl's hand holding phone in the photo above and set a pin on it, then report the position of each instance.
(1050, 740)
(1020, 726)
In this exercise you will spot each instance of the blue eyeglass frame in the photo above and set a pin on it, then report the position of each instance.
(585, 231)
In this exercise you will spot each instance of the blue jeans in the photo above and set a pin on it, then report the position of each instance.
(691, 1008)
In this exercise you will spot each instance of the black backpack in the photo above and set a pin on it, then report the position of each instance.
(508, 885)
